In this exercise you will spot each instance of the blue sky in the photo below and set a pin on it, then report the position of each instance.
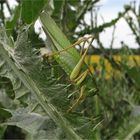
(113, 6)
(115, 3)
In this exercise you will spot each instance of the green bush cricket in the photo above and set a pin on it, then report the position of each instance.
(77, 76)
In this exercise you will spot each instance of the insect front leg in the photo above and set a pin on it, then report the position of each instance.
(78, 78)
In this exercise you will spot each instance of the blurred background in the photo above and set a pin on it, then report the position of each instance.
(106, 10)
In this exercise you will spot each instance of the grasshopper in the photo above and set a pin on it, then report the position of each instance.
(77, 76)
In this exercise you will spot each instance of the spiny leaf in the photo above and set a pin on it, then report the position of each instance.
(31, 84)
(33, 123)
(5, 100)
(40, 73)
(6, 69)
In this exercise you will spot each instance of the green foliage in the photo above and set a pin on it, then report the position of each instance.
(135, 75)
(10, 25)
(31, 9)
(74, 9)
(132, 128)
